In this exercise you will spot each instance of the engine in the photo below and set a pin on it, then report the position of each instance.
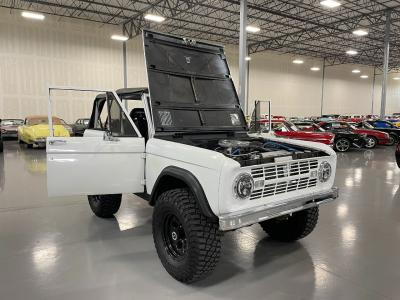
(259, 151)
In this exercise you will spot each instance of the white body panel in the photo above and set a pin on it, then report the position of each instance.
(205, 165)
(216, 173)
(92, 166)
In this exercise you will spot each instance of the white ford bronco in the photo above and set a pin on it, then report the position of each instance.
(187, 151)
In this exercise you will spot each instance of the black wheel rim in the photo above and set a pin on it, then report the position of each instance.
(174, 237)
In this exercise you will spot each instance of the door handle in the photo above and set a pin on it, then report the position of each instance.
(53, 142)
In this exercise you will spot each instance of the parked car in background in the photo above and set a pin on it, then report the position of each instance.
(397, 154)
(329, 117)
(345, 139)
(35, 130)
(373, 137)
(1, 142)
(68, 127)
(80, 126)
(287, 129)
(351, 118)
(384, 126)
(9, 127)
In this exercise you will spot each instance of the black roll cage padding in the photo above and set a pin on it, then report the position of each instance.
(190, 181)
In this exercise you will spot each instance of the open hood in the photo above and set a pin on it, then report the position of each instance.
(190, 86)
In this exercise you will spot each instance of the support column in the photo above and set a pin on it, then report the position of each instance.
(323, 85)
(125, 65)
(242, 55)
(373, 92)
(385, 63)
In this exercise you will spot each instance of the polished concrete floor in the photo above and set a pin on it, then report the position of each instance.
(56, 248)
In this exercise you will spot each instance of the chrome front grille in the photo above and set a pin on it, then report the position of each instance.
(284, 177)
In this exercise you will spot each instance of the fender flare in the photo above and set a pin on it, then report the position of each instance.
(191, 182)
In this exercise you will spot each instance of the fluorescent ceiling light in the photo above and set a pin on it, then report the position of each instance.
(252, 29)
(330, 3)
(360, 32)
(247, 58)
(118, 37)
(364, 76)
(298, 61)
(351, 52)
(356, 71)
(32, 15)
(396, 78)
(154, 18)
(315, 69)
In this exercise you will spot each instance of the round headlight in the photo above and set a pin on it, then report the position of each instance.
(243, 186)
(324, 172)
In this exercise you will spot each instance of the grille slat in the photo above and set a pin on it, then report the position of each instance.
(284, 171)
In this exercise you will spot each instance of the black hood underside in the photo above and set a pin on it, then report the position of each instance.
(190, 86)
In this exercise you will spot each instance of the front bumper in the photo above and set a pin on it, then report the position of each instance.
(237, 220)
(9, 134)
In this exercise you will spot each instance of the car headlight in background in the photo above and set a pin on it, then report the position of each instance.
(243, 186)
(324, 171)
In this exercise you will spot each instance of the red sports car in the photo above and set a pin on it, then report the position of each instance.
(287, 129)
(373, 137)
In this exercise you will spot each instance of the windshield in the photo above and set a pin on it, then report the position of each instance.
(42, 120)
(367, 125)
(291, 126)
(7, 122)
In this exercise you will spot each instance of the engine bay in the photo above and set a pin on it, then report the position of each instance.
(250, 151)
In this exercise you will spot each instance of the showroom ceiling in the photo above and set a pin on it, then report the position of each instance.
(301, 27)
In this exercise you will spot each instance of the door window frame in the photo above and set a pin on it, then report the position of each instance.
(116, 97)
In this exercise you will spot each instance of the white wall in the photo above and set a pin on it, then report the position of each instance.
(36, 54)
(62, 51)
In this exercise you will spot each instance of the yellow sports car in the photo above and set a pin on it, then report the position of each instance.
(35, 130)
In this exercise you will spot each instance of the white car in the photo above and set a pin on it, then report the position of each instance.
(185, 148)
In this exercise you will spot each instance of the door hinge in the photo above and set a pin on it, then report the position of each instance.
(143, 182)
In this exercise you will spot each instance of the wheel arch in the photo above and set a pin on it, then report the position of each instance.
(175, 177)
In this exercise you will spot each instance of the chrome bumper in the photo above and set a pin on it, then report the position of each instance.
(236, 220)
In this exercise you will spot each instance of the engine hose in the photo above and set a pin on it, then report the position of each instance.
(278, 146)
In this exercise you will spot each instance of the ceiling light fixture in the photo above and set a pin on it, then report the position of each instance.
(330, 3)
(396, 78)
(364, 76)
(154, 18)
(351, 52)
(247, 58)
(298, 61)
(315, 69)
(252, 29)
(32, 15)
(356, 71)
(118, 37)
(360, 32)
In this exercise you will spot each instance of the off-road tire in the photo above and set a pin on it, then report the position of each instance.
(294, 227)
(29, 146)
(201, 236)
(105, 206)
(373, 144)
(393, 139)
(338, 146)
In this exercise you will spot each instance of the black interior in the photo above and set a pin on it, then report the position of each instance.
(138, 116)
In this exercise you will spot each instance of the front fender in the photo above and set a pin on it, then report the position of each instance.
(190, 181)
